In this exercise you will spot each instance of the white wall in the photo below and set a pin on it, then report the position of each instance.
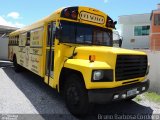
(128, 22)
(141, 42)
(3, 48)
(154, 74)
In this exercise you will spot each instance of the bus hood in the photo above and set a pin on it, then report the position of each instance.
(103, 53)
(113, 50)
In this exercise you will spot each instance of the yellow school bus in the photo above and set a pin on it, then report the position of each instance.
(72, 49)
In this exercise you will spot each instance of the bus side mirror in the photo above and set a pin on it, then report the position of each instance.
(120, 43)
(115, 22)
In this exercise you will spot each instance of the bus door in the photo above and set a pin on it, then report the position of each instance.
(49, 73)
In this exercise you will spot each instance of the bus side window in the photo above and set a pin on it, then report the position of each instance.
(18, 40)
(28, 39)
(13, 40)
(51, 33)
(48, 34)
(50, 62)
(9, 41)
(50, 52)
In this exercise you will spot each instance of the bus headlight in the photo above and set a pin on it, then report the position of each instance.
(98, 75)
(102, 75)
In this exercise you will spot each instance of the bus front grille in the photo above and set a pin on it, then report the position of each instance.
(130, 66)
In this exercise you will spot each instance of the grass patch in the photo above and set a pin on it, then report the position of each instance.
(152, 96)
(138, 98)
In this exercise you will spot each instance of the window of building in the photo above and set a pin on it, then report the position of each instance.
(141, 30)
(157, 19)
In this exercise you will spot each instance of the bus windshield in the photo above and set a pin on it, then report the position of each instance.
(85, 34)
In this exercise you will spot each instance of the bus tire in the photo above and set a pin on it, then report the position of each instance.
(76, 96)
(17, 67)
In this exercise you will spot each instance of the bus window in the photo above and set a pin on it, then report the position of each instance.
(84, 35)
(49, 63)
(102, 38)
(28, 39)
(107, 37)
(50, 52)
(18, 40)
(13, 41)
(48, 32)
(52, 63)
(23, 39)
(50, 37)
(98, 37)
(68, 33)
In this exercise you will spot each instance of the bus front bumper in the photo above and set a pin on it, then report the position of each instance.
(103, 96)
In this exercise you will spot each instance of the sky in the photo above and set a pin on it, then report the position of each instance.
(19, 13)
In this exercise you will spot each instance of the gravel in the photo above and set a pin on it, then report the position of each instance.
(25, 96)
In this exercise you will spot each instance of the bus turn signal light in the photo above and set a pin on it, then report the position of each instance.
(92, 58)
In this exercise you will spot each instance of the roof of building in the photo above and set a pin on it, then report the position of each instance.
(157, 10)
(6, 29)
(135, 18)
(153, 12)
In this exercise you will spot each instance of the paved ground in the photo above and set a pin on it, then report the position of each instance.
(25, 96)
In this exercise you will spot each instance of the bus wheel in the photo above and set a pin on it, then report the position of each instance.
(17, 67)
(76, 97)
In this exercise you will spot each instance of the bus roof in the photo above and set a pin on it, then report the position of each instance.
(56, 14)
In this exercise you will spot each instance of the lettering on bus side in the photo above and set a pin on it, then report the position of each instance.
(35, 51)
(34, 60)
(27, 57)
(37, 37)
(21, 62)
(34, 70)
(22, 40)
(34, 66)
(21, 49)
(92, 17)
